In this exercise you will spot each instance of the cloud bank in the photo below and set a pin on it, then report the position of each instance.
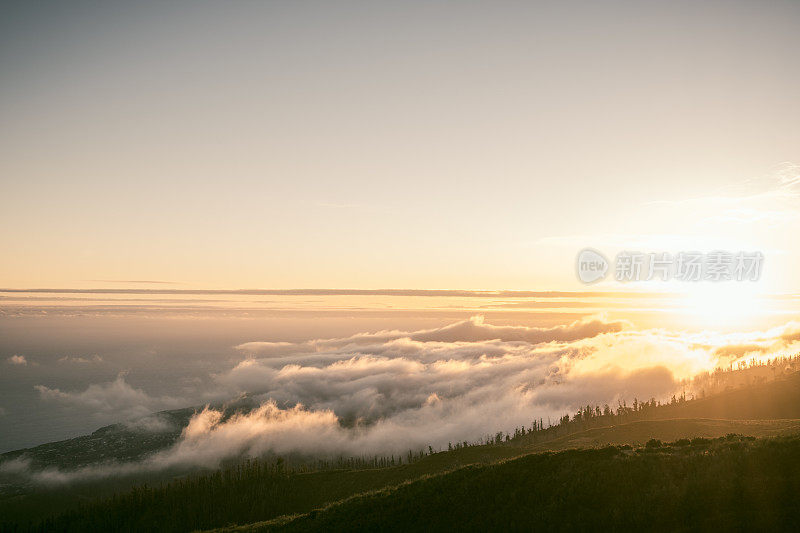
(116, 398)
(391, 391)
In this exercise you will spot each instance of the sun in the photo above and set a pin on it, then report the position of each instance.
(723, 304)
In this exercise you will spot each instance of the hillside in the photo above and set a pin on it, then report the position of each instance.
(260, 490)
(120, 442)
(729, 484)
(263, 489)
(638, 433)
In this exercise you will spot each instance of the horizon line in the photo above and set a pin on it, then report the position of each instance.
(466, 293)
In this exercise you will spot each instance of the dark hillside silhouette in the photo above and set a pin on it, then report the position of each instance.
(729, 484)
(262, 489)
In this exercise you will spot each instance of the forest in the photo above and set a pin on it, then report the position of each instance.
(729, 483)
(726, 484)
(601, 463)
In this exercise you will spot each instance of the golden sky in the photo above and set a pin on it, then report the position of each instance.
(418, 145)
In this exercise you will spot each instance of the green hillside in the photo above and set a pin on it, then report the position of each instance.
(729, 484)
(638, 433)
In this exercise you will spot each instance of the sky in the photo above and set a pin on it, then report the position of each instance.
(405, 145)
(155, 157)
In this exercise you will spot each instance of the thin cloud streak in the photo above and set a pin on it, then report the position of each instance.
(351, 292)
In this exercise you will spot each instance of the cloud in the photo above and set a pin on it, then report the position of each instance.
(154, 423)
(440, 293)
(136, 281)
(432, 418)
(770, 200)
(17, 360)
(390, 391)
(80, 359)
(740, 216)
(110, 401)
(471, 378)
(473, 329)
(18, 465)
(758, 344)
(739, 350)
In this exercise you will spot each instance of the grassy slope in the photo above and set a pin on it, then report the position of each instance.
(342, 484)
(638, 433)
(774, 408)
(729, 484)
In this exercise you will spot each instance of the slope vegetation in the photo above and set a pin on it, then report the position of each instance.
(728, 484)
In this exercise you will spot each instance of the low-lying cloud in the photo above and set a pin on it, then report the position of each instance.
(391, 391)
(18, 360)
(116, 398)
(471, 330)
